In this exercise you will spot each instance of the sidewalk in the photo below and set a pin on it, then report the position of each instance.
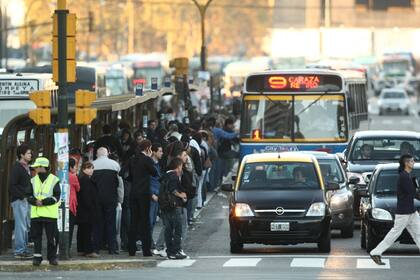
(105, 262)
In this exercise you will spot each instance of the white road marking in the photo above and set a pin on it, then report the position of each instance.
(306, 256)
(176, 263)
(308, 262)
(370, 264)
(387, 122)
(406, 121)
(242, 262)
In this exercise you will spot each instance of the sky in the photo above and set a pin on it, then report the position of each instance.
(16, 9)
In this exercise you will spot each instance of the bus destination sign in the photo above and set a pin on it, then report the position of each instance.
(17, 87)
(293, 83)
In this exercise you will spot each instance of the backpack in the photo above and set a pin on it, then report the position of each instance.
(167, 200)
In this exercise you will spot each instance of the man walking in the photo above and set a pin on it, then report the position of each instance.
(406, 215)
(45, 200)
(20, 185)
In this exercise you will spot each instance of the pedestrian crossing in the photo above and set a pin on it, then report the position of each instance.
(280, 262)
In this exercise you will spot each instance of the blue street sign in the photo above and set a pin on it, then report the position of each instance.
(154, 85)
(167, 82)
(139, 89)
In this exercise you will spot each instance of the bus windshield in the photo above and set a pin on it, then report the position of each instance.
(295, 118)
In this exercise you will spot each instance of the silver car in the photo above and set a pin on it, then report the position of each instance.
(394, 100)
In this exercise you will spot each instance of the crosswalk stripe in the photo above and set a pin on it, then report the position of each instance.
(242, 262)
(308, 262)
(176, 263)
(370, 264)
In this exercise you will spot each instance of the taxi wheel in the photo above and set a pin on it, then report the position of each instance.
(371, 240)
(324, 243)
(362, 236)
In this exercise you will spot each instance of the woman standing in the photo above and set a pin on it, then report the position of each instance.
(87, 211)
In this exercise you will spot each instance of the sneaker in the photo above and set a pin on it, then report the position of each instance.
(53, 262)
(377, 259)
(36, 261)
(177, 256)
(161, 253)
(24, 255)
(181, 252)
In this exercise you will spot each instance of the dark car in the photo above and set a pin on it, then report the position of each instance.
(367, 149)
(279, 198)
(378, 206)
(341, 200)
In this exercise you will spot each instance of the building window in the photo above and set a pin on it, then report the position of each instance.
(382, 5)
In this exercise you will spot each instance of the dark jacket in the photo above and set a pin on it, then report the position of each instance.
(174, 185)
(187, 184)
(111, 143)
(105, 178)
(46, 201)
(406, 192)
(20, 182)
(141, 167)
(88, 204)
(196, 158)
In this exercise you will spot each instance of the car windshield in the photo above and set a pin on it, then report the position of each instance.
(279, 176)
(331, 171)
(386, 182)
(384, 148)
(393, 95)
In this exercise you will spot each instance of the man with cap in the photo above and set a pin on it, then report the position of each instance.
(45, 200)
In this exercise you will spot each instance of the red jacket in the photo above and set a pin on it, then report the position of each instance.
(74, 189)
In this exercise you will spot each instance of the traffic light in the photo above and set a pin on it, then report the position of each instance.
(180, 64)
(84, 113)
(70, 48)
(42, 114)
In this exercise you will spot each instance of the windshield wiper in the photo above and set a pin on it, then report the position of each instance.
(313, 102)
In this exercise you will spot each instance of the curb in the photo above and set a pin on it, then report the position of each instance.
(209, 198)
(13, 266)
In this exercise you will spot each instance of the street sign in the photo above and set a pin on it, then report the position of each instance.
(18, 87)
(139, 89)
(154, 85)
(167, 82)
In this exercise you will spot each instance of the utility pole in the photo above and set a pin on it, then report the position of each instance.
(202, 9)
(64, 72)
(130, 42)
(327, 22)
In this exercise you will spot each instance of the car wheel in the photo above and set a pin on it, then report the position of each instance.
(324, 243)
(236, 245)
(362, 236)
(347, 232)
(371, 240)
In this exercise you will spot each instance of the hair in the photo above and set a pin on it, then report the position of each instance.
(156, 146)
(72, 162)
(144, 145)
(211, 122)
(198, 137)
(403, 160)
(365, 146)
(138, 133)
(86, 165)
(106, 129)
(150, 122)
(21, 150)
(175, 163)
(229, 121)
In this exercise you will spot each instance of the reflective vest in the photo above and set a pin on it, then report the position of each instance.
(41, 191)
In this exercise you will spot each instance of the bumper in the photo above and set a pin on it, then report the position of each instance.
(257, 230)
(381, 228)
(393, 109)
(342, 218)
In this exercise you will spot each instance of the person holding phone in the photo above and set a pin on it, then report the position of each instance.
(141, 169)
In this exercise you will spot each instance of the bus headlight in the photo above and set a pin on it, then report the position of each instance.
(381, 214)
(316, 210)
(242, 210)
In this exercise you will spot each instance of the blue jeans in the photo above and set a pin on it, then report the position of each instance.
(154, 208)
(20, 214)
(172, 220)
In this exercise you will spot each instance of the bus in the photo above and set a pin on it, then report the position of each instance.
(301, 110)
(14, 93)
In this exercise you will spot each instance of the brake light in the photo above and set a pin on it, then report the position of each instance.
(139, 81)
(256, 134)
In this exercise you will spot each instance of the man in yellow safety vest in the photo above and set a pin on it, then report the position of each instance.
(45, 201)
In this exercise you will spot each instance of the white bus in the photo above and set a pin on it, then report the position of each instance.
(14, 93)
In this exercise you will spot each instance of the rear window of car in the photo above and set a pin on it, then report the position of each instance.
(386, 182)
(393, 94)
(279, 176)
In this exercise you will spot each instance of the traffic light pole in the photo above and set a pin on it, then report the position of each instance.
(202, 9)
(62, 126)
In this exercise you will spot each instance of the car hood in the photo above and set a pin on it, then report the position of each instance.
(389, 203)
(362, 166)
(288, 199)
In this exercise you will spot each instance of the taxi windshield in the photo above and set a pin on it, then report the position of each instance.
(279, 176)
(384, 148)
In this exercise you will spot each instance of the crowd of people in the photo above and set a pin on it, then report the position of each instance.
(120, 186)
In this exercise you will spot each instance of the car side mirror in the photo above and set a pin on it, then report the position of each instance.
(227, 187)
(354, 180)
(332, 186)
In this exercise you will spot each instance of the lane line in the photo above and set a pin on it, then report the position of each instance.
(370, 264)
(308, 262)
(242, 262)
(176, 263)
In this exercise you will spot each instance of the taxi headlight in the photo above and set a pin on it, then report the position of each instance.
(381, 214)
(316, 210)
(242, 210)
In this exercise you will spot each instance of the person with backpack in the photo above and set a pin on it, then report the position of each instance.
(172, 200)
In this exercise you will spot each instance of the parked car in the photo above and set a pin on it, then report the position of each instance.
(279, 198)
(341, 200)
(394, 100)
(378, 206)
(367, 149)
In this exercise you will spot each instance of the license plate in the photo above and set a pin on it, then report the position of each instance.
(279, 226)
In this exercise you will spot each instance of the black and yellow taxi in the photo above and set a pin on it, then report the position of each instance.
(279, 199)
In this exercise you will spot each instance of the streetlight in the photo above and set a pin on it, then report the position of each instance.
(202, 9)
